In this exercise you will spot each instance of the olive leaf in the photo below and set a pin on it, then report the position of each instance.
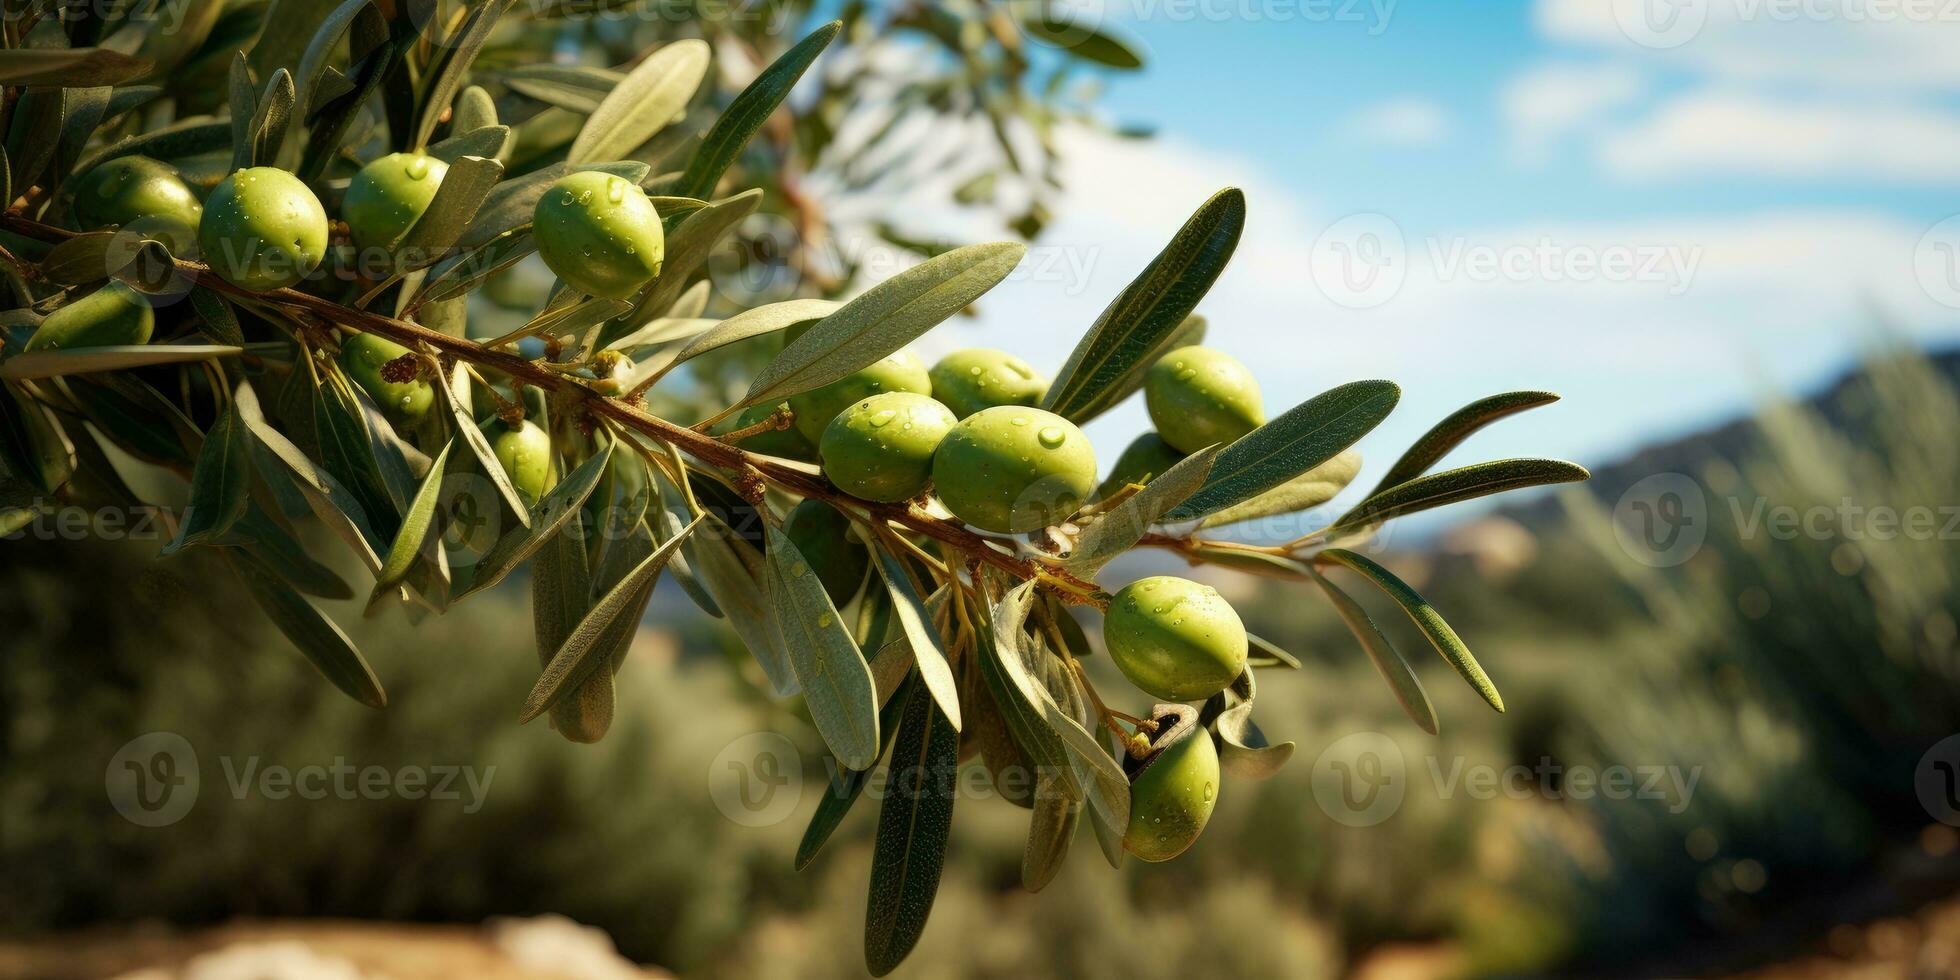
(1266, 653)
(68, 67)
(321, 43)
(333, 504)
(276, 550)
(219, 484)
(464, 271)
(1402, 681)
(846, 785)
(928, 648)
(624, 602)
(1097, 776)
(1121, 527)
(220, 322)
(417, 518)
(1141, 323)
(1081, 39)
(574, 88)
(452, 64)
(1051, 828)
(464, 189)
(474, 113)
(270, 121)
(488, 141)
(754, 323)
(35, 132)
(1019, 705)
(1426, 618)
(515, 547)
(85, 258)
(1454, 486)
(643, 103)
(1304, 437)
(1109, 837)
(243, 93)
(748, 112)
(181, 139)
(560, 597)
(836, 682)
(1243, 751)
(1452, 431)
(883, 319)
(330, 105)
(347, 451)
(913, 826)
(1306, 491)
(747, 597)
(96, 360)
(688, 246)
(456, 395)
(318, 637)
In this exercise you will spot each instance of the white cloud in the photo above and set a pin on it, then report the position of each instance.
(1736, 133)
(1406, 122)
(1546, 104)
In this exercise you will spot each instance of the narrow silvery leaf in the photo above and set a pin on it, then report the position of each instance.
(748, 112)
(1266, 653)
(551, 514)
(347, 452)
(560, 598)
(68, 67)
(755, 323)
(574, 88)
(885, 318)
(276, 549)
(1051, 828)
(485, 141)
(1402, 681)
(846, 785)
(320, 48)
(836, 683)
(928, 649)
(219, 483)
(1117, 529)
(464, 271)
(456, 395)
(746, 599)
(913, 826)
(1307, 435)
(1455, 486)
(316, 636)
(1018, 702)
(1134, 329)
(1304, 492)
(1096, 774)
(417, 519)
(1450, 433)
(244, 97)
(643, 103)
(334, 505)
(1080, 38)
(1243, 751)
(1426, 618)
(272, 118)
(463, 191)
(575, 658)
(453, 64)
(91, 360)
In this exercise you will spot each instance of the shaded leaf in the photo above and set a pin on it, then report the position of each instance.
(837, 685)
(316, 636)
(1306, 436)
(557, 507)
(91, 360)
(69, 67)
(1081, 39)
(417, 518)
(1402, 680)
(928, 648)
(846, 785)
(464, 189)
(219, 483)
(913, 826)
(1306, 491)
(1122, 526)
(1450, 433)
(1455, 486)
(453, 63)
(1051, 828)
(1426, 618)
(456, 395)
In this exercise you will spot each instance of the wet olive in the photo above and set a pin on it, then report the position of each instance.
(1012, 469)
(364, 355)
(143, 196)
(787, 442)
(1174, 638)
(113, 316)
(599, 233)
(1143, 460)
(387, 197)
(814, 409)
(1173, 789)
(967, 381)
(1198, 396)
(822, 535)
(263, 229)
(882, 447)
(524, 452)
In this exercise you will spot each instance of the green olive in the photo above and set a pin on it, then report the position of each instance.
(788, 443)
(363, 356)
(882, 447)
(978, 377)
(1143, 460)
(263, 229)
(1198, 396)
(599, 233)
(822, 535)
(1174, 638)
(141, 195)
(1011, 469)
(525, 454)
(1174, 789)
(611, 373)
(387, 197)
(901, 371)
(113, 316)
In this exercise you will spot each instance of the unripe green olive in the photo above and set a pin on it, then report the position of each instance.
(599, 233)
(387, 197)
(1173, 789)
(1174, 638)
(822, 535)
(263, 229)
(901, 371)
(1012, 469)
(967, 381)
(524, 451)
(882, 447)
(363, 355)
(1198, 396)
(143, 196)
(1144, 459)
(788, 442)
(113, 316)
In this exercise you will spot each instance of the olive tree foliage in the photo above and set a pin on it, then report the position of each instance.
(188, 315)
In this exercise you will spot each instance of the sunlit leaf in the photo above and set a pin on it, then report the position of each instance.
(1450, 433)
(1426, 618)
(1118, 529)
(1457, 485)
(837, 685)
(748, 112)
(643, 103)
(1306, 436)
(1402, 681)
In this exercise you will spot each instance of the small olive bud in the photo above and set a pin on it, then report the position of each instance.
(814, 409)
(1173, 788)
(970, 380)
(113, 316)
(881, 448)
(599, 233)
(1174, 638)
(387, 197)
(1144, 459)
(822, 535)
(143, 196)
(263, 229)
(524, 452)
(375, 364)
(1198, 396)
(1011, 469)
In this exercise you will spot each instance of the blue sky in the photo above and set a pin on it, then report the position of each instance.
(1665, 223)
